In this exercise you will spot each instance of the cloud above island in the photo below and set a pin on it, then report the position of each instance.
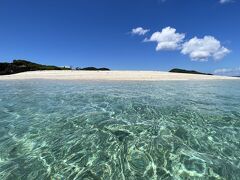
(167, 39)
(198, 49)
(201, 49)
(139, 31)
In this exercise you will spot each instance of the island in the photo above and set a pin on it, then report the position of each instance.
(176, 70)
(18, 66)
(93, 69)
(22, 69)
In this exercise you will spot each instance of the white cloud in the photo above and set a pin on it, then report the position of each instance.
(167, 39)
(198, 49)
(225, 1)
(139, 31)
(228, 71)
(202, 49)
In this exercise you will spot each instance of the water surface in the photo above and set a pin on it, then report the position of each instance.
(119, 130)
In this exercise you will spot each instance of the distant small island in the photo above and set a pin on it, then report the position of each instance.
(93, 69)
(176, 70)
(18, 66)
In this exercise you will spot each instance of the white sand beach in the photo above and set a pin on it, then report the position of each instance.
(110, 75)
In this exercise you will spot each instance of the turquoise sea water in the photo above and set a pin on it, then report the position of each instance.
(119, 130)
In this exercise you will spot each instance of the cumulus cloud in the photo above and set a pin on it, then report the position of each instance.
(225, 1)
(228, 71)
(167, 39)
(198, 49)
(139, 31)
(201, 49)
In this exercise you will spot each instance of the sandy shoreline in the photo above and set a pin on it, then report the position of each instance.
(110, 75)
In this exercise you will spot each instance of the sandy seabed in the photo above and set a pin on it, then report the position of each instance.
(110, 75)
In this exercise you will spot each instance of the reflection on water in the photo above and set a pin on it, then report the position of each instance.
(119, 130)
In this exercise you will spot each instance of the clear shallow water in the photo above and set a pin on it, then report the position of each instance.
(119, 130)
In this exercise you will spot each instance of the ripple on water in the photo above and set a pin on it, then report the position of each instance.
(119, 130)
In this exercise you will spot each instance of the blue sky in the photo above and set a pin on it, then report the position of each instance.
(100, 33)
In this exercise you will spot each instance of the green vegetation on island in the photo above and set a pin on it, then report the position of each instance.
(176, 70)
(18, 66)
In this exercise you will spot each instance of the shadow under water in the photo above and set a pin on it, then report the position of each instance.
(119, 130)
